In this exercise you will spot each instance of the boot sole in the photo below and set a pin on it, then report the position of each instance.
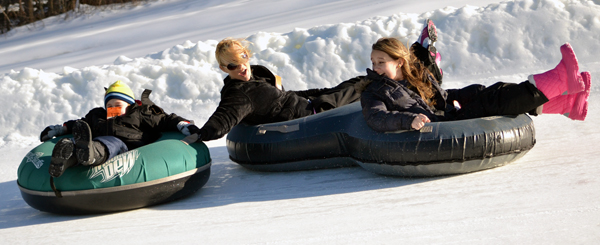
(431, 31)
(62, 151)
(83, 142)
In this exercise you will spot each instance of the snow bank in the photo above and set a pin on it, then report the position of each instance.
(505, 38)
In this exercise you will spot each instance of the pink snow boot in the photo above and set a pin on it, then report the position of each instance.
(573, 106)
(427, 39)
(580, 105)
(428, 35)
(563, 78)
(562, 104)
(438, 60)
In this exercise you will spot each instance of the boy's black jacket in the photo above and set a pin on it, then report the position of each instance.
(141, 125)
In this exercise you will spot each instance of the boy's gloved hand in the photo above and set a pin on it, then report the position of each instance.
(52, 131)
(193, 129)
(187, 128)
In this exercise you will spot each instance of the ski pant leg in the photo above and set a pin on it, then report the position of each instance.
(503, 99)
(114, 145)
(340, 95)
(464, 95)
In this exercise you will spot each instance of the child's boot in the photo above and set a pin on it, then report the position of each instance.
(564, 77)
(573, 106)
(561, 104)
(426, 40)
(100, 153)
(88, 152)
(62, 157)
(580, 105)
(428, 35)
(438, 60)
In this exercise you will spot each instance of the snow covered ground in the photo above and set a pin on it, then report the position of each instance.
(54, 71)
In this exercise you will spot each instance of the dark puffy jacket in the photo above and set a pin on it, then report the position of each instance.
(142, 124)
(254, 102)
(389, 105)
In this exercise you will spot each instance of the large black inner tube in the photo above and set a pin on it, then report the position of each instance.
(341, 137)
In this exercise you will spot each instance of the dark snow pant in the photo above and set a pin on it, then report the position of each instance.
(114, 146)
(498, 99)
(340, 95)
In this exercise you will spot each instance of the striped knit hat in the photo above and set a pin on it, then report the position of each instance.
(119, 90)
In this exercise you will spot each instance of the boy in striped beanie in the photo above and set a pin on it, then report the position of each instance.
(117, 98)
(123, 124)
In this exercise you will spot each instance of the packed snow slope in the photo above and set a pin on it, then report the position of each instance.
(96, 37)
(552, 195)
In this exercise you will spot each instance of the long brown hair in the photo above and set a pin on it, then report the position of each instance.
(412, 69)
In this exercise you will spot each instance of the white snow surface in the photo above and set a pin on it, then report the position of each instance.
(55, 70)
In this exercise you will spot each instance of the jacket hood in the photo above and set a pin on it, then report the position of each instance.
(366, 80)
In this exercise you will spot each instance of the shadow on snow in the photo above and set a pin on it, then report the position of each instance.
(229, 183)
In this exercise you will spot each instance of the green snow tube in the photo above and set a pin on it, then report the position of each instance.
(156, 173)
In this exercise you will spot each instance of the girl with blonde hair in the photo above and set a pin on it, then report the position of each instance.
(253, 95)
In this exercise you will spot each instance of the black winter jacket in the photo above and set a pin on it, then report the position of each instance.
(254, 102)
(142, 124)
(389, 105)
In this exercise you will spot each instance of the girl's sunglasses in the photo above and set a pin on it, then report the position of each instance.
(232, 67)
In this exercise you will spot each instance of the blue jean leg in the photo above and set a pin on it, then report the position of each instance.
(114, 145)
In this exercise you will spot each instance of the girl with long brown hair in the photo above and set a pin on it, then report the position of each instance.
(402, 94)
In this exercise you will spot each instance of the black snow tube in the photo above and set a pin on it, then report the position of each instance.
(341, 137)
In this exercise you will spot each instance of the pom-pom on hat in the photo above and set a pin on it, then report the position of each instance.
(119, 90)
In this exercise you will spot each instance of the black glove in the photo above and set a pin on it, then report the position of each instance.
(187, 128)
(194, 129)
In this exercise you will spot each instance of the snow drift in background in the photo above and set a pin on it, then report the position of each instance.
(186, 80)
